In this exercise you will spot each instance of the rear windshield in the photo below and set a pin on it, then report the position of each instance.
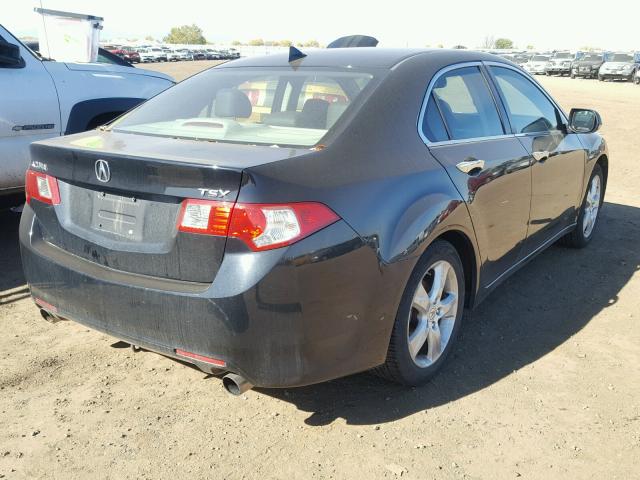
(592, 58)
(539, 58)
(563, 55)
(264, 106)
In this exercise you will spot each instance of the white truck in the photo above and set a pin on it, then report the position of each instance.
(43, 98)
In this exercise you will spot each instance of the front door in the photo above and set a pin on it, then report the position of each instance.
(557, 157)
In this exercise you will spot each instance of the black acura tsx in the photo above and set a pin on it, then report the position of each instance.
(290, 219)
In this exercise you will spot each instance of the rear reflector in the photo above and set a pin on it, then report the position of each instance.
(42, 187)
(47, 306)
(260, 226)
(201, 358)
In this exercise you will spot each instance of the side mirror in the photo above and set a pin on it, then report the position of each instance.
(582, 120)
(10, 55)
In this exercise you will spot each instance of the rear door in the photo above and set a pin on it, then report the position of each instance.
(465, 130)
(557, 156)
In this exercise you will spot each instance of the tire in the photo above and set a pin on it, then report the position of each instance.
(417, 316)
(589, 211)
(601, 78)
(636, 80)
(573, 76)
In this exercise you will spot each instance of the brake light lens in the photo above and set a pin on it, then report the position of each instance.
(260, 226)
(266, 226)
(42, 187)
(205, 217)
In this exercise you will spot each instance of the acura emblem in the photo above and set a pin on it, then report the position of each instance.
(102, 171)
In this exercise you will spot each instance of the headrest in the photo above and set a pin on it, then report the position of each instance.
(231, 102)
(314, 114)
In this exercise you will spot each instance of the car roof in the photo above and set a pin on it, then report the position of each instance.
(364, 57)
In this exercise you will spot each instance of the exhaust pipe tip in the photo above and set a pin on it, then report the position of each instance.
(236, 384)
(50, 317)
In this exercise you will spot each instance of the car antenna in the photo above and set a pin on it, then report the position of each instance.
(295, 54)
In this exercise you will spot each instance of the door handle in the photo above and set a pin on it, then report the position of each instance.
(541, 156)
(469, 166)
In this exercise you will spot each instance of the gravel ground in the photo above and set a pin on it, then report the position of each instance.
(544, 383)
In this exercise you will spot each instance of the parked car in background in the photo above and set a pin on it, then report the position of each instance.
(619, 66)
(536, 65)
(521, 58)
(153, 54)
(636, 77)
(189, 234)
(127, 55)
(43, 99)
(146, 55)
(199, 55)
(173, 55)
(131, 55)
(588, 66)
(213, 54)
(560, 63)
(186, 54)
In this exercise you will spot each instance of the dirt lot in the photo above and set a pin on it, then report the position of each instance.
(544, 383)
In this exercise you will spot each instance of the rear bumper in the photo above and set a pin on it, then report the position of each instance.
(309, 313)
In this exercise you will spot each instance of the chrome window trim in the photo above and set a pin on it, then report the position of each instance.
(425, 101)
(480, 64)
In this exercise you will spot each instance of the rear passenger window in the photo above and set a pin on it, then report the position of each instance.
(466, 104)
(528, 108)
(432, 125)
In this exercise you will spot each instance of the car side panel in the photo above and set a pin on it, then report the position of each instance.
(111, 82)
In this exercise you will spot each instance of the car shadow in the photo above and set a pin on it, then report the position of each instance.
(12, 282)
(533, 312)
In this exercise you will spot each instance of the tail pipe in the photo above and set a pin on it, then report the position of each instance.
(50, 317)
(236, 384)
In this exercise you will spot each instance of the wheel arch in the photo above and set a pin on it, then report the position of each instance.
(603, 161)
(84, 114)
(467, 253)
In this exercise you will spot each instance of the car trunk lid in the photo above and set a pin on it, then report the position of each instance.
(121, 196)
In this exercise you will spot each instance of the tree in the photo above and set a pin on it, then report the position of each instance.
(189, 34)
(236, 43)
(530, 47)
(489, 42)
(311, 43)
(149, 38)
(284, 43)
(256, 42)
(504, 43)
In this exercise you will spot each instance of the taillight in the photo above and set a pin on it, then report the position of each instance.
(42, 187)
(263, 227)
(260, 226)
(205, 216)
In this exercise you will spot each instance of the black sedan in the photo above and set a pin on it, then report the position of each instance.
(295, 218)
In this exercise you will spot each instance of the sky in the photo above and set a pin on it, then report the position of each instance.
(563, 24)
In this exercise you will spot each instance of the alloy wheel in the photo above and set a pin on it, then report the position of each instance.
(591, 207)
(433, 314)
